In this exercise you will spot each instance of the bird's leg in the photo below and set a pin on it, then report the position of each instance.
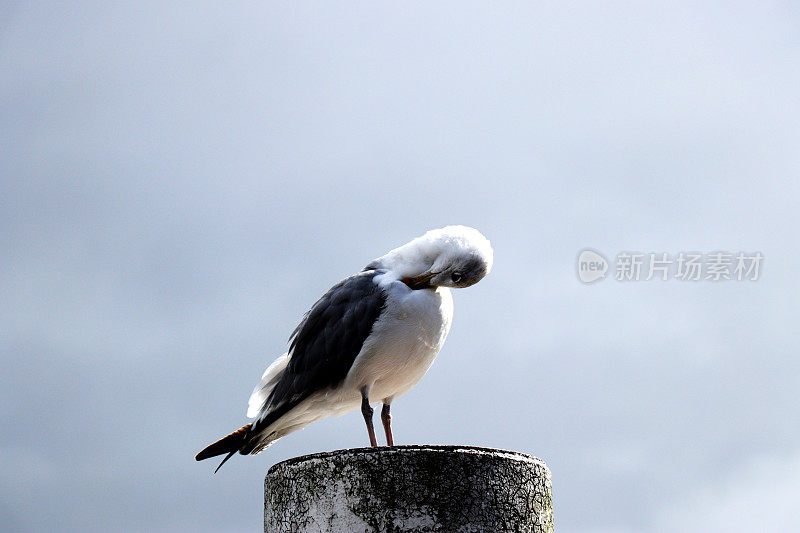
(386, 418)
(366, 410)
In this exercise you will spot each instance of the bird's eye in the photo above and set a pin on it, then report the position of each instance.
(456, 277)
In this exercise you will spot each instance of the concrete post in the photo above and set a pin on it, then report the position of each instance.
(409, 489)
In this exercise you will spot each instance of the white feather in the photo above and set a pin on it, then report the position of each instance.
(269, 379)
(436, 248)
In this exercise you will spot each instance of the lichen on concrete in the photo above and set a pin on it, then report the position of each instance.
(409, 489)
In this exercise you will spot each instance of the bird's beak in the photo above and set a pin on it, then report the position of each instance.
(420, 282)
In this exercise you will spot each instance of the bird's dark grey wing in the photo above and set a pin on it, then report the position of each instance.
(325, 343)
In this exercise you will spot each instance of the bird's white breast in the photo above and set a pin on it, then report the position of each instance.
(404, 342)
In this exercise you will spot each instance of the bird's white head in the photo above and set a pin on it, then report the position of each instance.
(453, 256)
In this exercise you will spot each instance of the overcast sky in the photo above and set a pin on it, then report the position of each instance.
(180, 182)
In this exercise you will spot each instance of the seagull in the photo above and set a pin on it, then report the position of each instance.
(370, 338)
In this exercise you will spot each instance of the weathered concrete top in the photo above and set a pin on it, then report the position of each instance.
(409, 489)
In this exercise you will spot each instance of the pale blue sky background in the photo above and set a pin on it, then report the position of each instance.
(180, 182)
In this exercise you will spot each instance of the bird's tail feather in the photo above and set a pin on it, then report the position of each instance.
(229, 444)
(224, 461)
